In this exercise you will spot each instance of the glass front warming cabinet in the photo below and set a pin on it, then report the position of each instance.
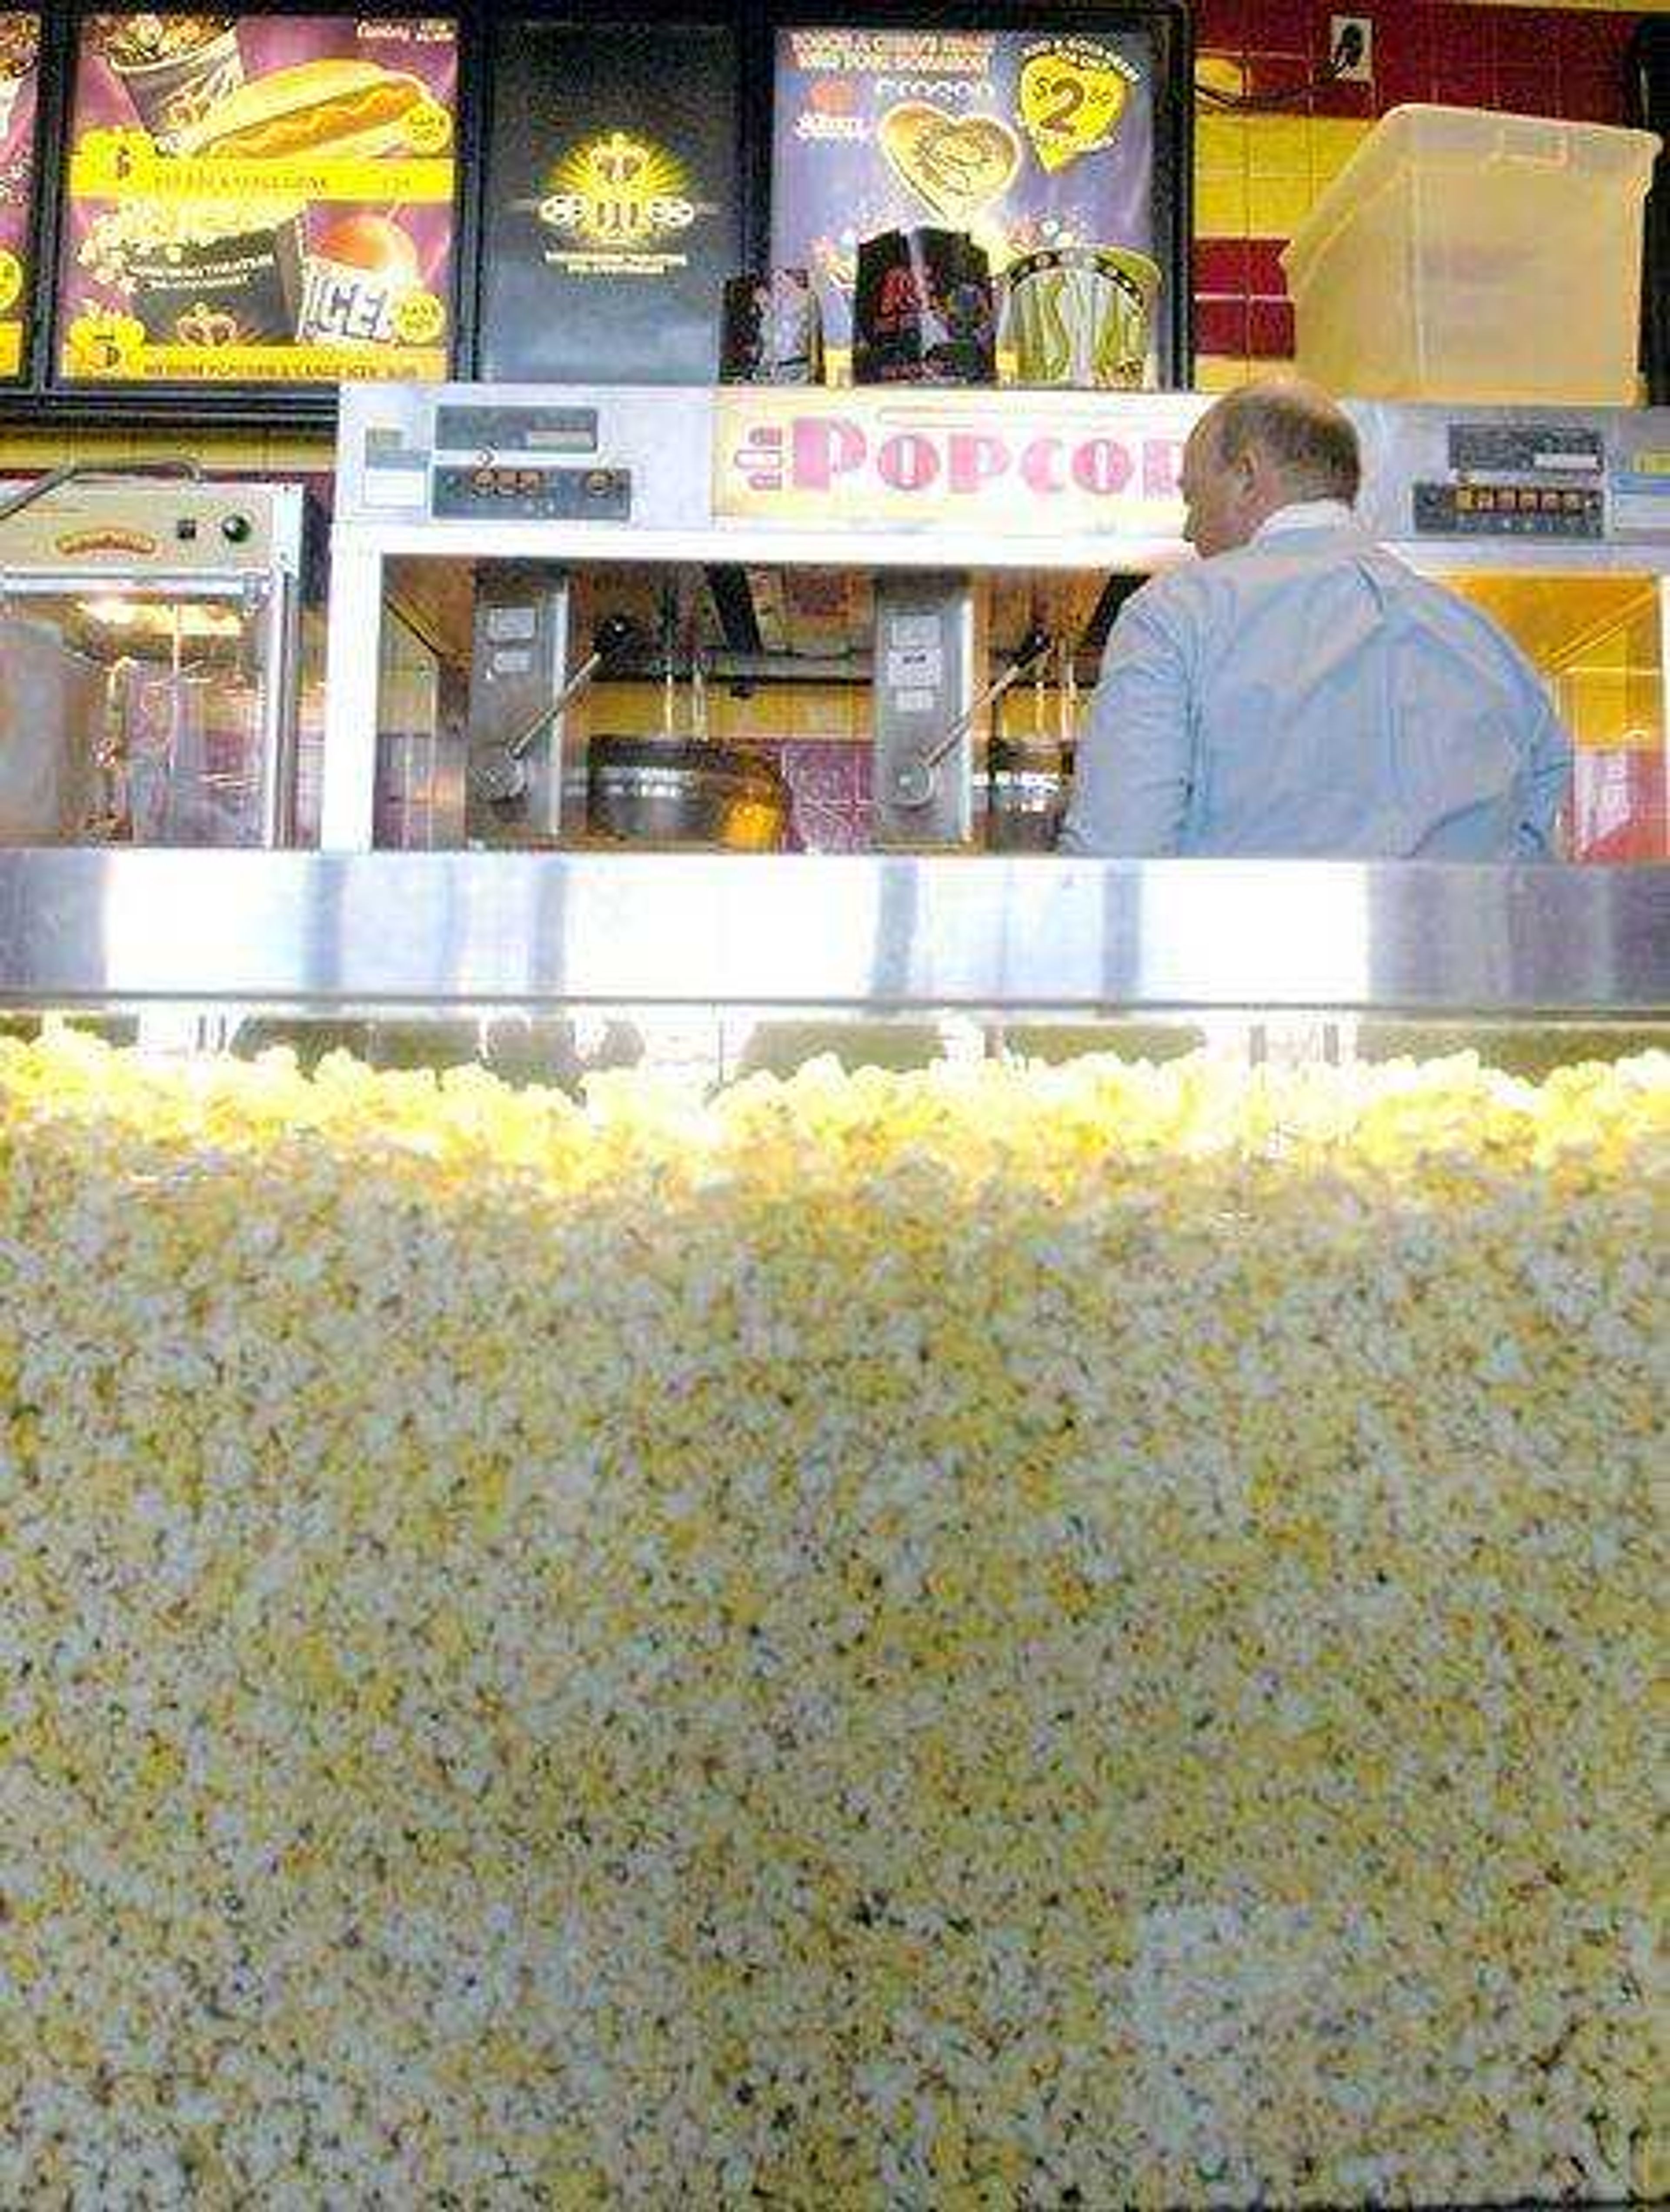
(829, 1530)
(836, 621)
(161, 660)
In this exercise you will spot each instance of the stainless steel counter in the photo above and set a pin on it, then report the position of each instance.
(310, 932)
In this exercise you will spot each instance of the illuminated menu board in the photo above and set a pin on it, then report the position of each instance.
(258, 199)
(1026, 141)
(19, 50)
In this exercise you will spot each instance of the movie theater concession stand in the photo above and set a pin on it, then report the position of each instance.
(717, 1487)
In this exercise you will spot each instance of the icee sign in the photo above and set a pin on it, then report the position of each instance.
(1066, 464)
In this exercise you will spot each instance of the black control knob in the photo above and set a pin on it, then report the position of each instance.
(236, 529)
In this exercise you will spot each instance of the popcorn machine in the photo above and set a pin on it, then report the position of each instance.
(160, 660)
(886, 606)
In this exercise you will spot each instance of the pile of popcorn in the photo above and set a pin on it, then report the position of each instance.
(996, 1638)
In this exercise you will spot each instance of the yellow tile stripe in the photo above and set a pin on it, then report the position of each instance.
(1224, 372)
(250, 453)
(1259, 176)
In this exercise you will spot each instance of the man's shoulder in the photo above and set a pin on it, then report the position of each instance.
(1172, 591)
(1264, 564)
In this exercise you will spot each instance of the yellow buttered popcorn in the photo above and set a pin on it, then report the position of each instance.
(1004, 1636)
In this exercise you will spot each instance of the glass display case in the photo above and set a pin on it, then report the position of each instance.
(866, 1530)
(886, 613)
(162, 661)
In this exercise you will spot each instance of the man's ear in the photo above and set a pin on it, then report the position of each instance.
(1244, 477)
(1259, 479)
(1254, 468)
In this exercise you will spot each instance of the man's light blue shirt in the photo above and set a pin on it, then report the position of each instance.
(1309, 695)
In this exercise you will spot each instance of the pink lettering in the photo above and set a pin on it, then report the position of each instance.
(908, 462)
(1040, 466)
(974, 459)
(824, 449)
(1161, 467)
(1101, 466)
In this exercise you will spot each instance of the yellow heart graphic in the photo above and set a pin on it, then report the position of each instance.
(1070, 106)
(956, 163)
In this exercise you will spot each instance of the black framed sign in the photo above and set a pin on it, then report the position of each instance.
(219, 216)
(613, 198)
(1048, 135)
(258, 199)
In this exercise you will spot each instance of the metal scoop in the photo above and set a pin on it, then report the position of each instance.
(916, 780)
(503, 775)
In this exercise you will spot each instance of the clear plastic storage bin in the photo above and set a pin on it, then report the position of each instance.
(1465, 254)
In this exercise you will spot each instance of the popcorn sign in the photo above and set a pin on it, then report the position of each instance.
(1022, 462)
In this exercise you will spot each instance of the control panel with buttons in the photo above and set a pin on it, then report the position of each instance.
(1539, 476)
(492, 490)
(497, 462)
(539, 457)
(116, 526)
(1509, 510)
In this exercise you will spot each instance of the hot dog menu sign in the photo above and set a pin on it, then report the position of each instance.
(19, 50)
(259, 199)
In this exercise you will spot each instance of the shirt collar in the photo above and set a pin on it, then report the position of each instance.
(1306, 515)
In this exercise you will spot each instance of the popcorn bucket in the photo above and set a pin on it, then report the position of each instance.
(19, 50)
(772, 330)
(173, 93)
(1082, 316)
(212, 286)
(923, 310)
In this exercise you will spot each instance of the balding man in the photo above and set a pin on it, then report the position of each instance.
(1299, 692)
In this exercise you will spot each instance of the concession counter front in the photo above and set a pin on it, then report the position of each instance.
(872, 1527)
(830, 1531)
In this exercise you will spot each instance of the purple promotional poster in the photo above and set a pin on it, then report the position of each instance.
(1026, 141)
(259, 198)
(20, 49)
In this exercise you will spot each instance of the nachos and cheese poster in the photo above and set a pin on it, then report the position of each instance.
(1025, 140)
(259, 198)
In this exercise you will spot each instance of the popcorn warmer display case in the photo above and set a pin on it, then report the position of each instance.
(161, 660)
(893, 602)
(861, 1529)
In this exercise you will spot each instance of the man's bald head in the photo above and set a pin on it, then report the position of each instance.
(1262, 447)
(1306, 433)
